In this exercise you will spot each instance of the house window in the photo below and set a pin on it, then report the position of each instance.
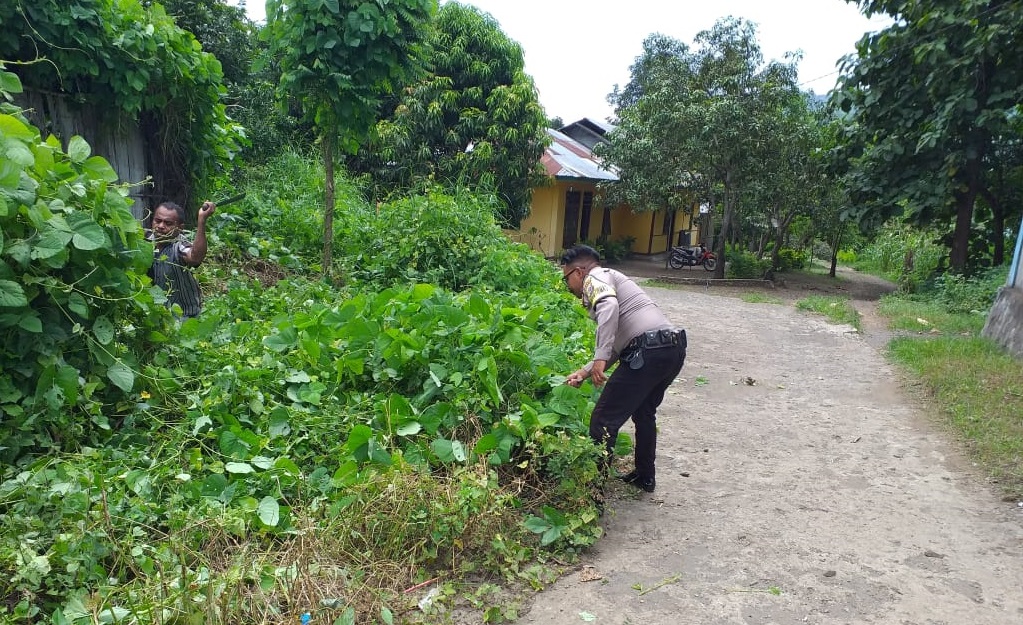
(666, 224)
(605, 224)
(584, 223)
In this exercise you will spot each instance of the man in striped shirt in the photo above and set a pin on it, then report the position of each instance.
(650, 352)
(174, 256)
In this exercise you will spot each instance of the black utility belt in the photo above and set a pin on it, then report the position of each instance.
(654, 339)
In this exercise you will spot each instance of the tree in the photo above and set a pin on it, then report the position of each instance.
(928, 98)
(339, 58)
(475, 120)
(223, 30)
(697, 120)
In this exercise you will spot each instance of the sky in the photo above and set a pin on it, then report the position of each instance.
(578, 50)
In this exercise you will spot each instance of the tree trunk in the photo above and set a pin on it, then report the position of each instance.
(834, 253)
(997, 227)
(328, 203)
(726, 225)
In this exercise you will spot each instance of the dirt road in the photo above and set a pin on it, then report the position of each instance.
(797, 483)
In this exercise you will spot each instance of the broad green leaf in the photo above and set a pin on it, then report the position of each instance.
(386, 616)
(113, 615)
(269, 511)
(121, 376)
(11, 126)
(348, 618)
(548, 419)
(377, 452)
(98, 167)
(10, 82)
(280, 424)
(78, 149)
(89, 236)
(51, 243)
(358, 437)
(11, 294)
(67, 380)
(238, 467)
(448, 450)
(537, 525)
(410, 428)
(30, 322)
(487, 442)
(77, 304)
(285, 339)
(262, 462)
(288, 466)
(103, 330)
(18, 153)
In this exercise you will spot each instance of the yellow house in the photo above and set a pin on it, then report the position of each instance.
(570, 209)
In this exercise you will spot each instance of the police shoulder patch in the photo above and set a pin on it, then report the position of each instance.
(595, 290)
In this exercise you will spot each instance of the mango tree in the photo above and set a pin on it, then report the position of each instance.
(339, 58)
(476, 119)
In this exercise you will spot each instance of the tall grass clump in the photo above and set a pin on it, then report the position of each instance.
(902, 254)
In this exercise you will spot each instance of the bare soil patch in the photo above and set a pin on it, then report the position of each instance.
(798, 482)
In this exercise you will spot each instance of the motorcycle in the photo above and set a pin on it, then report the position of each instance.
(682, 256)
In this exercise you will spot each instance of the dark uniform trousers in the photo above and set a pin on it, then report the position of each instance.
(637, 392)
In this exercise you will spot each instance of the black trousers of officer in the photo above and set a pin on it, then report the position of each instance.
(636, 393)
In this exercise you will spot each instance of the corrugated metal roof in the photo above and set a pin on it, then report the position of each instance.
(566, 158)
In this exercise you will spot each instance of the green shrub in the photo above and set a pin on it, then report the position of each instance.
(612, 250)
(743, 264)
(847, 257)
(452, 241)
(960, 294)
(78, 313)
(789, 259)
(904, 255)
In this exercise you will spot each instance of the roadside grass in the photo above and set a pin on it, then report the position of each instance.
(754, 297)
(836, 309)
(978, 389)
(916, 315)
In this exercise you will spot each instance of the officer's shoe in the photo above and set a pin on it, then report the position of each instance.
(645, 483)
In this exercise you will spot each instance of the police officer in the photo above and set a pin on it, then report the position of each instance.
(633, 331)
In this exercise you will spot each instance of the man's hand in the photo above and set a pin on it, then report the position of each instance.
(207, 209)
(597, 373)
(576, 377)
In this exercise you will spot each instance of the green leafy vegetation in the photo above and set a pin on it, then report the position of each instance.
(301, 446)
(126, 57)
(77, 315)
(474, 121)
(924, 314)
(836, 309)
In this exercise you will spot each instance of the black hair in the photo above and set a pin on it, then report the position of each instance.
(180, 212)
(577, 252)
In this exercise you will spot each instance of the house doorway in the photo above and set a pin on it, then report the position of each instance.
(578, 213)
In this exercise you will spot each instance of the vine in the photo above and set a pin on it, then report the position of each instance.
(119, 53)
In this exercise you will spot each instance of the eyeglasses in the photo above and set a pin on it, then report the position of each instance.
(564, 278)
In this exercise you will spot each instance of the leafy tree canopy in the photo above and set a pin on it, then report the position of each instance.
(223, 30)
(928, 100)
(475, 120)
(340, 58)
(698, 122)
